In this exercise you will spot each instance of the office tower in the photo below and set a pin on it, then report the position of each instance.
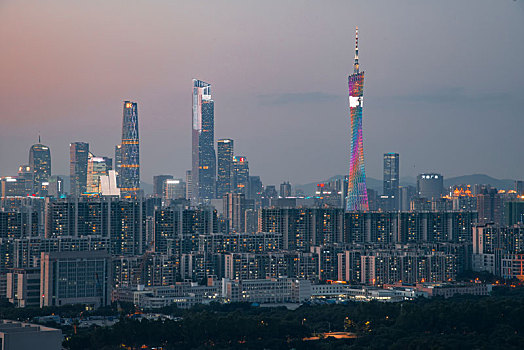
(88, 272)
(203, 143)
(159, 184)
(174, 189)
(130, 167)
(78, 155)
(108, 184)
(56, 186)
(224, 166)
(189, 185)
(234, 210)
(357, 192)
(240, 174)
(40, 163)
(255, 187)
(285, 190)
(25, 175)
(118, 163)
(519, 187)
(430, 186)
(391, 181)
(96, 167)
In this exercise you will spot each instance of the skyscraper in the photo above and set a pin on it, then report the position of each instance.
(40, 163)
(357, 197)
(240, 174)
(130, 167)
(225, 166)
(97, 167)
(203, 143)
(391, 180)
(78, 155)
(118, 162)
(159, 182)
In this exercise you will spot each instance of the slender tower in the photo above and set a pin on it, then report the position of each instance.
(357, 195)
(203, 144)
(130, 167)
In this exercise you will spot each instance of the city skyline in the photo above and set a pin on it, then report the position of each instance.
(406, 92)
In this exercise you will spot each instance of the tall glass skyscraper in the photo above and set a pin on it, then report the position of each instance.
(391, 181)
(357, 196)
(78, 155)
(40, 163)
(130, 166)
(224, 166)
(203, 143)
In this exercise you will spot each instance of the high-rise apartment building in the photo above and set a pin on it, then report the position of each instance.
(40, 163)
(357, 197)
(78, 155)
(130, 168)
(391, 181)
(203, 143)
(234, 210)
(225, 166)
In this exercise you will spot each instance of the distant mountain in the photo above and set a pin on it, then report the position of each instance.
(377, 185)
(480, 179)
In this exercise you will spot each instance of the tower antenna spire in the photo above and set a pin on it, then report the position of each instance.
(356, 66)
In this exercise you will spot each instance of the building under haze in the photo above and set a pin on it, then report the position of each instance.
(129, 173)
(158, 184)
(40, 163)
(224, 166)
(240, 174)
(97, 167)
(118, 162)
(391, 181)
(357, 196)
(78, 155)
(430, 186)
(203, 143)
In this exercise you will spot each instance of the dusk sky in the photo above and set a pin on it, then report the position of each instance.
(444, 82)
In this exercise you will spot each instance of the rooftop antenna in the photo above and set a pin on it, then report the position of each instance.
(39, 137)
(356, 66)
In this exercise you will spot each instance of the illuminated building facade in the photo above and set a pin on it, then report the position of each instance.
(225, 166)
(203, 143)
(357, 197)
(97, 167)
(240, 174)
(78, 154)
(130, 166)
(118, 162)
(40, 162)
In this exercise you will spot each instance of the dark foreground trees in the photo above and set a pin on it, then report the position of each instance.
(462, 322)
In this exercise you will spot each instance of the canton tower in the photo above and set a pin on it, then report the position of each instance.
(357, 195)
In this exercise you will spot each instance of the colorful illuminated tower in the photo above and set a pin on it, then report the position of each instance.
(130, 168)
(357, 195)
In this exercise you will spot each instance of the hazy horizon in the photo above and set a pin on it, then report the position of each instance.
(443, 85)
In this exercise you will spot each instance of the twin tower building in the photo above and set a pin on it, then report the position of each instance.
(204, 186)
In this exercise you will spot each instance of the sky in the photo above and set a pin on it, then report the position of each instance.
(444, 82)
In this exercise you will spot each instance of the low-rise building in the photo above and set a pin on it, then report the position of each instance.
(24, 336)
